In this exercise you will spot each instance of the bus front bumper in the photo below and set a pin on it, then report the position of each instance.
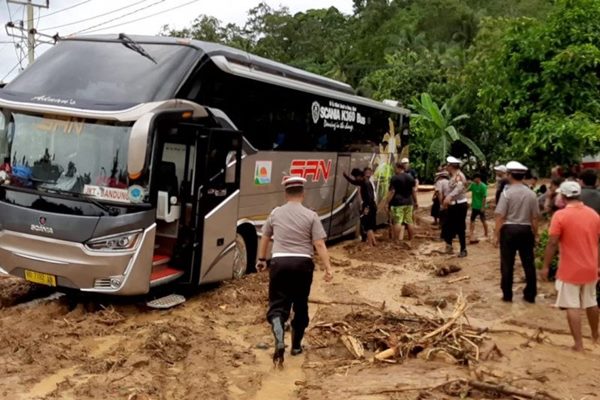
(75, 266)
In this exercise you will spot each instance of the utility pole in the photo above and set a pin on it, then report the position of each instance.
(32, 37)
(30, 34)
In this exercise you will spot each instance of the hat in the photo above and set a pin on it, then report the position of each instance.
(453, 160)
(570, 189)
(515, 166)
(500, 168)
(293, 181)
(404, 160)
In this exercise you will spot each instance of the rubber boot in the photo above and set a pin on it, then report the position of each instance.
(297, 335)
(278, 334)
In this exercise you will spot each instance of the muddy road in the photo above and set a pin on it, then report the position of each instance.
(217, 344)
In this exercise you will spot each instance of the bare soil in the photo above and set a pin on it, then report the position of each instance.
(217, 344)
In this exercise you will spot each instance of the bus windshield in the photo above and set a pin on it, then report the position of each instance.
(67, 154)
(106, 72)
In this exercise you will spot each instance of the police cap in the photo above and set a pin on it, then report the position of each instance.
(293, 181)
(517, 167)
(500, 168)
(453, 160)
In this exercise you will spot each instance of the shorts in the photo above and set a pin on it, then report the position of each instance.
(575, 296)
(475, 213)
(402, 215)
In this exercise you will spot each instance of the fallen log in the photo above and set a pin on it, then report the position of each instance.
(510, 390)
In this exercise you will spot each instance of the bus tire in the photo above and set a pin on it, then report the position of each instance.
(247, 233)
(240, 257)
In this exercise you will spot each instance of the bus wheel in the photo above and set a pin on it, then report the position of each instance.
(240, 257)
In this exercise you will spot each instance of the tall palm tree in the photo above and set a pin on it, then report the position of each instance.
(437, 124)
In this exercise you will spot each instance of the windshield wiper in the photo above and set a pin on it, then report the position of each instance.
(135, 46)
(110, 210)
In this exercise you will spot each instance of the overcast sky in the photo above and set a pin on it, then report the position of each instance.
(108, 13)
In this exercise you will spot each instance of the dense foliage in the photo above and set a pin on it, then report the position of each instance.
(526, 72)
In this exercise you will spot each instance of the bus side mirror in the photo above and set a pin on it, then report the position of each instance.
(166, 208)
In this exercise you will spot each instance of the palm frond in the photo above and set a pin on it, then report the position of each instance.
(472, 146)
(454, 135)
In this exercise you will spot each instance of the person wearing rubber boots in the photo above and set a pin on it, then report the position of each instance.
(296, 231)
(517, 215)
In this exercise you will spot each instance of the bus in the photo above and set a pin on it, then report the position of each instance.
(131, 162)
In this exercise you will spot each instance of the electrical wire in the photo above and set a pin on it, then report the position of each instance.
(142, 18)
(119, 17)
(97, 16)
(14, 42)
(13, 68)
(63, 9)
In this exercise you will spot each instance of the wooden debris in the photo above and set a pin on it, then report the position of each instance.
(508, 390)
(345, 303)
(462, 278)
(354, 346)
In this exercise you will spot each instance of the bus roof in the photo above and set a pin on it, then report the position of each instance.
(250, 66)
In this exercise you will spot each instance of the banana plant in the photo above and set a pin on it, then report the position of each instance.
(437, 125)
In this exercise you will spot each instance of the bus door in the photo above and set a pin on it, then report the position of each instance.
(174, 170)
(341, 216)
(217, 188)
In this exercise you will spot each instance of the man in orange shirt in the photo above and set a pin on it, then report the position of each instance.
(576, 230)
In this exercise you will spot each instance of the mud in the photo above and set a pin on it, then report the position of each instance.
(217, 344)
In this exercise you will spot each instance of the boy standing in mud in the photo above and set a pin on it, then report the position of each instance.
(576, 229)
(478, 190)
(294, 229)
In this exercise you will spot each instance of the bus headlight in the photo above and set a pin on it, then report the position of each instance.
(123, 241)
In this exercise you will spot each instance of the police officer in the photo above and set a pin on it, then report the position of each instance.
(516, 230)
(294, 229)
(457, 205)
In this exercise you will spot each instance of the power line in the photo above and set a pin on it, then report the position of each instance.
(97, 16)
(16, 46)
(63, 9)
(119, 17)
(12, 69)
(142, 18)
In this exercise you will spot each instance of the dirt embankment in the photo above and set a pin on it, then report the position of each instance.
(397, 322)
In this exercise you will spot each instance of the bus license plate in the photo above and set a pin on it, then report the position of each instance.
(41, 278)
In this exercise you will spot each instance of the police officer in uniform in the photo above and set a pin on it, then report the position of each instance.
(296, 231)
(517, 215)
(457, 205)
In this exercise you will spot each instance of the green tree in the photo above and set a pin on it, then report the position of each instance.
(437, 130)
(537, 89)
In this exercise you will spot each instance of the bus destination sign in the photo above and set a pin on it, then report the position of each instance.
(337, 116)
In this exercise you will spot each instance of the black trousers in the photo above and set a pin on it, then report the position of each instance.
(519, 238)
(456, 224)
(289, 286)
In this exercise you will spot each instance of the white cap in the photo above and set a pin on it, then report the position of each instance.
(570, 189)
(453, 160)
(500, 168)
(293, 181)
(404, 160)
(515, 166)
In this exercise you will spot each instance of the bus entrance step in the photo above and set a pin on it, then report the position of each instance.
(163, 274)
(169, 301)
(160, 259)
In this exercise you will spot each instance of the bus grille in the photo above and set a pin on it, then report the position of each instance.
(102, 283)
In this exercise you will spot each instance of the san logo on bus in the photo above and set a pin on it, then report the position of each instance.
(312, 170)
